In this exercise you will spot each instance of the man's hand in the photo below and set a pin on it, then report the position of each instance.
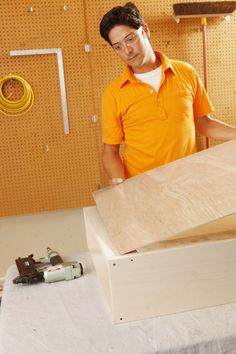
(116, 180)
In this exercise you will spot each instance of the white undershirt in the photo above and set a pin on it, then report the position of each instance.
(152, 78)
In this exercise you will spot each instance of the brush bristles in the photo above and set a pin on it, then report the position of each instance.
(207, 8)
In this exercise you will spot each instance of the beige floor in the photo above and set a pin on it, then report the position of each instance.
(23, 235)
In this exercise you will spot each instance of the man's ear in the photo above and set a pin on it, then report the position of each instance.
(146, 30)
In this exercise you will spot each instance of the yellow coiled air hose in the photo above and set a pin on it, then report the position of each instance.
(20, 106)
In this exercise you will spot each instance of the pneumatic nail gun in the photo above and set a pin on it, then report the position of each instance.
(48, 269)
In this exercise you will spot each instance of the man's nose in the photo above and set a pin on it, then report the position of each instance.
(127, 49)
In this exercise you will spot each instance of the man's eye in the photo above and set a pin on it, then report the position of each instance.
(130, 39)
(117, 47)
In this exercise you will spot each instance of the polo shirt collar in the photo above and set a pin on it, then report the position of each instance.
(128, 74)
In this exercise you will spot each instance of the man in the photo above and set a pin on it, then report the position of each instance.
(155, 106)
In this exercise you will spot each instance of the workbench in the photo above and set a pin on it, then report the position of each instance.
(72, 317)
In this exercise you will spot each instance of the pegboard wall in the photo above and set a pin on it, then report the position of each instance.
(41, 167)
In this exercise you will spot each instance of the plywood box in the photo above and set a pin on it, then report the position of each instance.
(177, 277)
(166, 239)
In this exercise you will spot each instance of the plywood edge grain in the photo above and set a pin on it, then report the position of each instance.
(181, 242)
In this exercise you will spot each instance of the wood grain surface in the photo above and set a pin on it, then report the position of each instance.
(176, 198)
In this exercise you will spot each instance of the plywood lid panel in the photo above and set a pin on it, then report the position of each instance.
(159, 204)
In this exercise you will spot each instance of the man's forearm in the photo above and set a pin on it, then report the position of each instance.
(215, 129)
(113, 165)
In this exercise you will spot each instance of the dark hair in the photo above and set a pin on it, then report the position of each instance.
(127, 15)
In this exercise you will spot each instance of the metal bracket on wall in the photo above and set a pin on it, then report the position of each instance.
(58, 52)
(226, 16)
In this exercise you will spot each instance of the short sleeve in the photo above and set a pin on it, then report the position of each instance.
(112, 131)
(202, 104)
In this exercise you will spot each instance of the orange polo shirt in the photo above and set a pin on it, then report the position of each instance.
(156, 127)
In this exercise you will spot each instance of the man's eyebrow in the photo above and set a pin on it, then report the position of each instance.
(123, 38)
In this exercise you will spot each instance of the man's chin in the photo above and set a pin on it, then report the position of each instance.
(132, 61)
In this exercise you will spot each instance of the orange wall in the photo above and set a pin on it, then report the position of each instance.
(41, 167)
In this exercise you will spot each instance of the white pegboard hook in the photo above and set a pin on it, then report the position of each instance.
(30, 9)
(227, 18)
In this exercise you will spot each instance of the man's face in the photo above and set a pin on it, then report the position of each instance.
(131, 45)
